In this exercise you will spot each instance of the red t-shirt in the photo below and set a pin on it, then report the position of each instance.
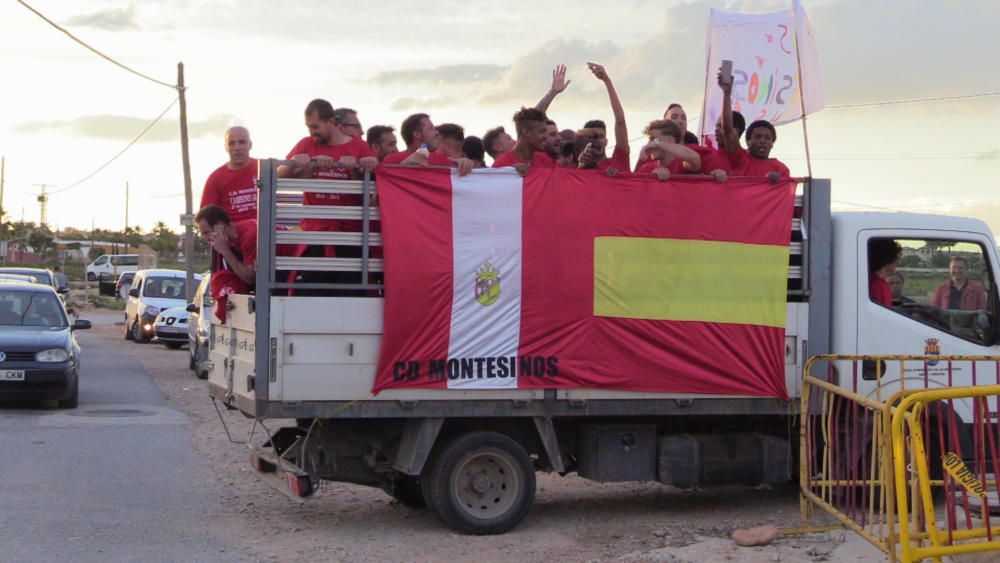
(356, 148)
(245, 247)
(233, 190)
(715, 160)
(539, 158)
(619, 159)
(743, 164)
(433, 159)
(645, 165)
(879, 290)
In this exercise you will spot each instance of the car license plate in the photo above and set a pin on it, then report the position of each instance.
(12, 375)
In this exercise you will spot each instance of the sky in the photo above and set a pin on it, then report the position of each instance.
(66, 112)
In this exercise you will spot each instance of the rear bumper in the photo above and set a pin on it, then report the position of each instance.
(40, 385)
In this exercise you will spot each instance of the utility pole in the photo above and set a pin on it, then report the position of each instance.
(126, 217)
(188, 205)
(43, 202)
(3, 175)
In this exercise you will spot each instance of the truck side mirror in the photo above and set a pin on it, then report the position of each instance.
(133, 292)
(192, 308)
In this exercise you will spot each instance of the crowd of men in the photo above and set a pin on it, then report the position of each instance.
(338, 147)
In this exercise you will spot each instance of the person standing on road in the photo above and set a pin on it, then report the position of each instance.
(61, 280)
(233, 186)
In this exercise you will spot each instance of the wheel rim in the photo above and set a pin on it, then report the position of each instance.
(486, 484)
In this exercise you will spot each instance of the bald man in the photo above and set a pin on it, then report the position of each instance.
(233, 186)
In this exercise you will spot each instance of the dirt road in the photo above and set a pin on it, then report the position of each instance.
(572, 519)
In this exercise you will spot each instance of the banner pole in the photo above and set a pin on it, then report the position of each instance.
(802, 97)
(704, 97)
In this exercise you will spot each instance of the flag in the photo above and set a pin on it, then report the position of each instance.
(571, 279)
(770, 52)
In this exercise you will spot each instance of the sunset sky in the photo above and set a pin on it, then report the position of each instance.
(257, 63)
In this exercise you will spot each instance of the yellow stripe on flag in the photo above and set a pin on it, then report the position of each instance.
(690, 280)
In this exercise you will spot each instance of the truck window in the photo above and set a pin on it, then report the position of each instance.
(101, 261)
(946, 284)
(125, 260)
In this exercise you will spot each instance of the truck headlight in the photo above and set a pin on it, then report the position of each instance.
(52, 355)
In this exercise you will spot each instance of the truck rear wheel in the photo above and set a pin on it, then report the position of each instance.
(480, 483)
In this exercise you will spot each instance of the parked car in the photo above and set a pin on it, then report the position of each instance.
(152, 291)
(200, 326)
(17, 278)
(124, 284)
(171, 327)
(40, 275)
(39, 355)
(113, 264)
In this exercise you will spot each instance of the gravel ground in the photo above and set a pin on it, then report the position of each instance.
(572, 519)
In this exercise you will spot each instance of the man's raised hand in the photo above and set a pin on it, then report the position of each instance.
(598, 71)
(559, 82)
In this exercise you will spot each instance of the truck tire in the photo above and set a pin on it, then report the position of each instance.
(480, 483)
(128, 330)
(407, 490)
(138, 335)
(91, 276)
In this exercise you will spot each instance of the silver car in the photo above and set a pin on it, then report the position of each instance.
(200, 326)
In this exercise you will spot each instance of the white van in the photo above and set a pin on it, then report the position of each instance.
(115, 264)
(153, 291)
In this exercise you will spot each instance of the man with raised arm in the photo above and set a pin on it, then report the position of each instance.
(497, 141)
(233, 186)
(594, 156)
(422, 140)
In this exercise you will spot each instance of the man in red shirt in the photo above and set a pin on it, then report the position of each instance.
(883, 255)
(497, 142)
(233, 186)
(382, 141)
(553, 140)
(347, 122)
(422, 140)
(234, 254)
(530, 146)
(959, 292)
(594, 157)
(328, 154)
(755, 161)
(450, 143)
(665, 155)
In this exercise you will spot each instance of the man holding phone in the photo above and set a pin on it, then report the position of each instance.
(592, 156)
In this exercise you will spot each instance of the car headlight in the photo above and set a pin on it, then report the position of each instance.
(52, 355)
(151, 311)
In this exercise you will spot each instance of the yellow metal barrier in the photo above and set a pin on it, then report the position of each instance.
(879, 447)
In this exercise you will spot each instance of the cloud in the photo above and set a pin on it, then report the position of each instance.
(451, 74)
(403, 104)
(125, 128)
(112, 19)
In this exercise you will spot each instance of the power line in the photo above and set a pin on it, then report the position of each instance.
(121, 152)
(95, 51)
(915, 100)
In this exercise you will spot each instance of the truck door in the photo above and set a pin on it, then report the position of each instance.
(944, 303)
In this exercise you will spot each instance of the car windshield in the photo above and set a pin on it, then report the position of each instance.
(39, 277)
(31, 308)
(170, 288)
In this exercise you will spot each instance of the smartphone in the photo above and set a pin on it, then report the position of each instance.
(727, 71)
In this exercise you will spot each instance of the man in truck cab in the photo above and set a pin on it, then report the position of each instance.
(959, 292)
(234, 254)
(883, 255)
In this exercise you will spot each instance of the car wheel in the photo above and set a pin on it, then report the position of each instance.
(192, 364)
(73, 400)
(480, 483)
(128, 330)
(137, 334)
(173, 345)
(91, 276)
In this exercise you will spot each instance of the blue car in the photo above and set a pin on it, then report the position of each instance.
(39, 355)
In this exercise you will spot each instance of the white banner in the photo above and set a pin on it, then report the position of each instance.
(766, 67)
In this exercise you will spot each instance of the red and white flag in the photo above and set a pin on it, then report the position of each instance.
(569, 279)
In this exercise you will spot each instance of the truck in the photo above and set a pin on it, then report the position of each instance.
(470, 456)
